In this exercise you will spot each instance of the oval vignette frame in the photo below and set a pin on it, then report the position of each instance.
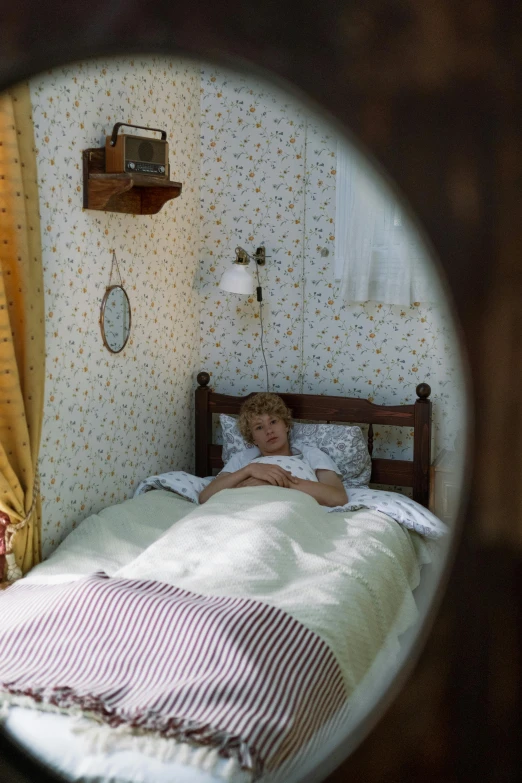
(416, 100)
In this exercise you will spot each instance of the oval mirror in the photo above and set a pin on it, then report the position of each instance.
(260, 169)
(115, 318)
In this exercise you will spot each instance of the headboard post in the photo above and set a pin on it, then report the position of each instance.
(203, 425)
(422, 445)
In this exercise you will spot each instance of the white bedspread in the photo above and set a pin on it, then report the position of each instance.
(115, 536)
(348, 577)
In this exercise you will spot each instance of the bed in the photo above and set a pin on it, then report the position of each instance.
(172, 641)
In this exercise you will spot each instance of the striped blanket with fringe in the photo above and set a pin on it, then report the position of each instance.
(234, 674)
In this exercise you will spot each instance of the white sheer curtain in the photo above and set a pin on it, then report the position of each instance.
(378, 256)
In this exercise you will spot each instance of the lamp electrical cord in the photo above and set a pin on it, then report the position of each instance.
(260, 300)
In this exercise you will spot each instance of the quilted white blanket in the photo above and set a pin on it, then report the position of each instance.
(348, 577)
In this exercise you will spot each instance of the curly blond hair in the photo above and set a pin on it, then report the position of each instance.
(261, 403)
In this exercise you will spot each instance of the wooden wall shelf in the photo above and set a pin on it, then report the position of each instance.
(135, 194)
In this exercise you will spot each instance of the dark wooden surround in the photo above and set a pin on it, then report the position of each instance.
(314, 407)
(433, 92)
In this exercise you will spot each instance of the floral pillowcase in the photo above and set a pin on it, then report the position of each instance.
(346, 445)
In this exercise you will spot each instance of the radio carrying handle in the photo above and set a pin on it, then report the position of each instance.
(141, 127)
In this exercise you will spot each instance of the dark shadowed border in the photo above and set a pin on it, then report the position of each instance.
(430, 92)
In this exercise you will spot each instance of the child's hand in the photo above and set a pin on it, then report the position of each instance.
(252, 482)
(272, 474)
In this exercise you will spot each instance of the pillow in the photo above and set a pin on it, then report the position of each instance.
(233, 441)
(346, 445)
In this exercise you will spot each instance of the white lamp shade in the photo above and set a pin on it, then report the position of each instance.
(237, 280)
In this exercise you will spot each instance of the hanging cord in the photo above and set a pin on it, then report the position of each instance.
(260, 300)
(115, 261)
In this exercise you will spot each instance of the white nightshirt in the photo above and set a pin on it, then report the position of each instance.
(302, 464)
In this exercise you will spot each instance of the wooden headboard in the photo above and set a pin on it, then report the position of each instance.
(313, 407)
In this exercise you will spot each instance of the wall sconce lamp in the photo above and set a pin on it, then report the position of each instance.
(238, 280)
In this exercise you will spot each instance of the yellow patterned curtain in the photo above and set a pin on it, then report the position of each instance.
(22, 348)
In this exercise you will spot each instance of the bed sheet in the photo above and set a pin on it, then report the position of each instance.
(50, 738)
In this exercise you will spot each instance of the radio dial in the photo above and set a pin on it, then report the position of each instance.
(131, 166)
(162, 169)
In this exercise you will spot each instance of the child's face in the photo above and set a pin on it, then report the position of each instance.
(269, 433)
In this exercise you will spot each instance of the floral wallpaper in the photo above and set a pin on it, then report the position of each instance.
(257, 169)
(268, 178)
(113, 419)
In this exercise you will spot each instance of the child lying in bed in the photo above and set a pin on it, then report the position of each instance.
(265, 422)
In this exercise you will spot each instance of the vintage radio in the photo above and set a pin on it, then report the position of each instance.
(126, 154)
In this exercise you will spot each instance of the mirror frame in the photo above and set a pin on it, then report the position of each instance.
(432, 98)
(102, 317)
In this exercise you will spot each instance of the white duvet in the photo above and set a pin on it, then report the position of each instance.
(348, 577)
